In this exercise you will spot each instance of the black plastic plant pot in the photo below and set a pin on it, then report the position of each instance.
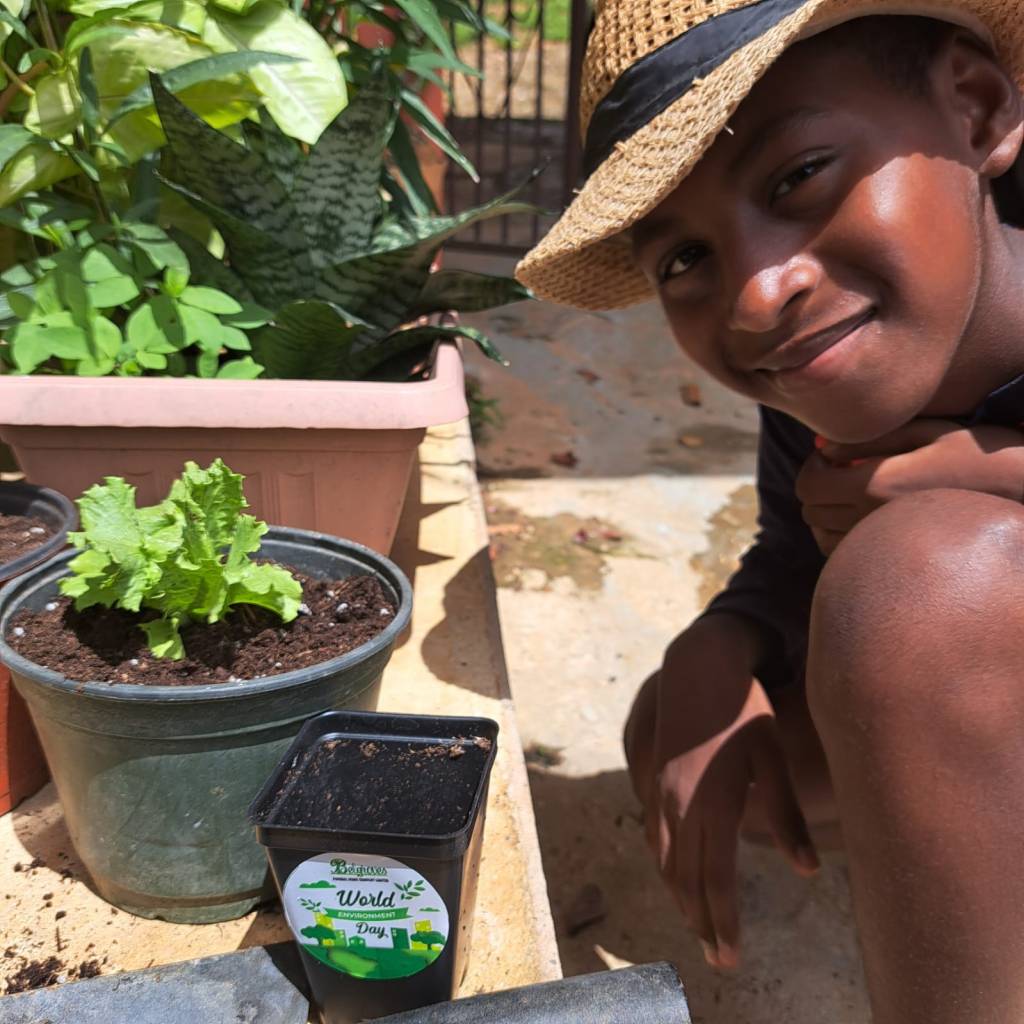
(49, 507)
(373, 825)
(155, 780)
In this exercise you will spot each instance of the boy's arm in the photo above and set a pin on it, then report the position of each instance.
(774, 585)
(707, 731)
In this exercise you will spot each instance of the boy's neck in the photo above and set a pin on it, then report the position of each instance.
(992, 352)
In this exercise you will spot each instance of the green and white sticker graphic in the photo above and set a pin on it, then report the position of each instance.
(369, 917)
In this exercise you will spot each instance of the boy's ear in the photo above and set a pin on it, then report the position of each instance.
(984, 102)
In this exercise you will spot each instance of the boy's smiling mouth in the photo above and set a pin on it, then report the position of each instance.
(810, 359)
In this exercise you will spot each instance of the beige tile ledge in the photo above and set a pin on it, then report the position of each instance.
(451, 662)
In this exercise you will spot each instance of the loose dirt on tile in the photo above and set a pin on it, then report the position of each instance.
(34, 974)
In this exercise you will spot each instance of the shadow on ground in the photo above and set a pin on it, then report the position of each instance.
(472, 661)
(41, 829)
(797, 936)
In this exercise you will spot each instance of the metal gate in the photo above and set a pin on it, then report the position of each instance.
(522, 114)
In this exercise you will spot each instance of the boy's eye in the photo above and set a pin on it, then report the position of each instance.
(682, 260)
(796, 177)
(808, 169)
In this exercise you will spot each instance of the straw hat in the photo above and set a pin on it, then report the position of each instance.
(661, 79)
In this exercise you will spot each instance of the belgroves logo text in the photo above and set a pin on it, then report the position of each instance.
(343, 869)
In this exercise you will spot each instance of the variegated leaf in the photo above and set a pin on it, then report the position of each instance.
(467, 292)
(337, 189)
(308, 340)
(244, 190)
(381, 288)
(384, 286)
(402, 341)
(281, 153)
(272, 274)
(436, 230)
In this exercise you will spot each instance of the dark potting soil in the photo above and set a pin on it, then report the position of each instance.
(386, 786)
(51, 971)
(106, 645)
(20, 534)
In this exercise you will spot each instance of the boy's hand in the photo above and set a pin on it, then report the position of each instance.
(714, 738)
(842, 483)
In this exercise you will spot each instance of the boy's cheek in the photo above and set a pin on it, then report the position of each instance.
(884, 245)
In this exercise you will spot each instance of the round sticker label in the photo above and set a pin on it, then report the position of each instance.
(369, 917)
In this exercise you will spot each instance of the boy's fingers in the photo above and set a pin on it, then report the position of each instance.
(785, 818)
(684, 880)
(821, 483)
(720, 843)
(659, 837)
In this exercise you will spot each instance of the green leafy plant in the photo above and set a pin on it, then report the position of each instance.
(75, 93)
(117, 298)
(326, 240)
(187, 558)
(412, 43)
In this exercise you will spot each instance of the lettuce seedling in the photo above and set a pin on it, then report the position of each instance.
(187, 558)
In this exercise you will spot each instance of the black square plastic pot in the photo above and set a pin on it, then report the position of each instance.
(373, 825)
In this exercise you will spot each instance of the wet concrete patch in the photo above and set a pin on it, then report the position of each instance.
(730, 531)
(530, 552)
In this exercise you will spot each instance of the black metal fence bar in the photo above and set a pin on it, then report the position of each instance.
(479, 158)
(506, 169)
(573, 162)
(518, 117)
(538, 108)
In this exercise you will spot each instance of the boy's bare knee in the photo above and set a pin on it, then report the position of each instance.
(922, 583)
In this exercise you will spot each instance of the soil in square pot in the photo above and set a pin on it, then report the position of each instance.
(155, 779)
(373, 825)
(34, 524)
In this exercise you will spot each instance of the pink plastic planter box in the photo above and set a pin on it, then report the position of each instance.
(333, 456)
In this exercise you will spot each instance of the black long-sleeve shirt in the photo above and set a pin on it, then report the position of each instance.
(774, 585)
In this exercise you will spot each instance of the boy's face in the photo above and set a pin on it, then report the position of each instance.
(825, 257)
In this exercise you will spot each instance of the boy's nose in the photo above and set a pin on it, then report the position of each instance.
(770, 293)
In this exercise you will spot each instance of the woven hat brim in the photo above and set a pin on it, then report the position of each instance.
(586, 261)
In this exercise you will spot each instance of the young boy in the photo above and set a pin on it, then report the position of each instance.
(818, 192)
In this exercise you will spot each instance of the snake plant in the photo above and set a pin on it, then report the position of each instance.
(325, 239)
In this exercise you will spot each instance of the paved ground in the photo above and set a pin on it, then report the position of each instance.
(619, 495)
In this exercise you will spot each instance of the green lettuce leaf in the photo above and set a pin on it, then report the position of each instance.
(187, 558)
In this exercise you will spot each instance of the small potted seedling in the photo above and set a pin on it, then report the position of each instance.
(34, 524)
(373, 825)
(167, 665)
